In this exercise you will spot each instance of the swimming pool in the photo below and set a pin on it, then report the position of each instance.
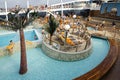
(41, 67)
(90, 28)
(5, 38)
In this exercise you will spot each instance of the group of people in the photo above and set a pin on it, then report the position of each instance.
(102, 25)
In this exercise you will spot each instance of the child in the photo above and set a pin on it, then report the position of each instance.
(35, 37)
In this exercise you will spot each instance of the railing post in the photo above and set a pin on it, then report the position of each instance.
(6, 10)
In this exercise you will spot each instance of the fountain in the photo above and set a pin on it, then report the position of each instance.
(68, 44)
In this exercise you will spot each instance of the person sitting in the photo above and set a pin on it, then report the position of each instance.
(35, 37)
(11, 42)
(10, 47)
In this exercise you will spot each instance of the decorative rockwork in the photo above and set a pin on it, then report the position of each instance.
(65, 56)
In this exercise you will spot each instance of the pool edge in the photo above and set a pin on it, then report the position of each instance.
(104, 66)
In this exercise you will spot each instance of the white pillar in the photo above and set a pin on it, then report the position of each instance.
(47, 6)
(47, 2)
(62, 8)
(6, 10)
(28, 7)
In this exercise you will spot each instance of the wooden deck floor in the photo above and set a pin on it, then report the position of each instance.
(109, 68)
(103, 68)
(113, 73)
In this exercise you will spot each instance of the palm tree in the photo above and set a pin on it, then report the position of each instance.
(16, 22)
(51, 26)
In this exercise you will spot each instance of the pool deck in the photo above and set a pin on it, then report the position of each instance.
(113, 73)
(109, 68)
(104, 66)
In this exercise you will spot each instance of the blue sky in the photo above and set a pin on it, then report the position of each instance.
(12, 3)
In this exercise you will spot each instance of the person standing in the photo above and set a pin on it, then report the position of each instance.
(113, 24)
(96, 27)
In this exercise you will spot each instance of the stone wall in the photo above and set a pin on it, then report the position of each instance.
(65, 56)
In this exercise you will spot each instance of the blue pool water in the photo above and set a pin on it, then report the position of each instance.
(5, 38)
(41, 67)
(90, 28)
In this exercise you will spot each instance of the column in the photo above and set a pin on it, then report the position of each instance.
(6, 10)
(61, 8)
(28, 7)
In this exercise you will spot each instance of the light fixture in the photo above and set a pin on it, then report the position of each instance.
(74, 16)
(67, 27)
